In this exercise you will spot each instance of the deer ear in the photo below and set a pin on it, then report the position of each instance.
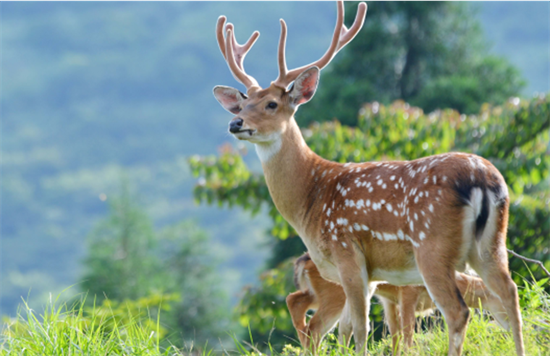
(230, 98)
(304, 86)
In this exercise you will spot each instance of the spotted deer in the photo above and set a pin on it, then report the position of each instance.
(404, 222)
(400, 305)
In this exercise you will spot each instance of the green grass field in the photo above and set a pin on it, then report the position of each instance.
(77, 330)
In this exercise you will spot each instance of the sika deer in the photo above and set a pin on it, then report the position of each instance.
(405, 222)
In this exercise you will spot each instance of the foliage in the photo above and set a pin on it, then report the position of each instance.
(131, 266)
(431, 55)
(268, 301)
(513, 136)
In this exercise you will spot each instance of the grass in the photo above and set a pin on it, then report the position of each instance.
(75, 330)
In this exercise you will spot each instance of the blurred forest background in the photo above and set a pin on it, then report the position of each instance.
(107, 112)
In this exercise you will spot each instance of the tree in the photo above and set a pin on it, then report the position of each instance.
(431, 55)
(170, 272)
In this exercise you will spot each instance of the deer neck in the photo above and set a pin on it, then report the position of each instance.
(287, 164)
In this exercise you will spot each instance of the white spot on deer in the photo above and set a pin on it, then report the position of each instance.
(344, 193)
(379, 182)
(383, 201)
(328, 212)
(422, 212)
(396, 186)
(439, 191)
(370, 190)
(389, 207)
(427, 225)
(360, 203)
(421, 194)
(424, 168)
(444, 178)
(338, 186)
(367, 203)
(416, 199)
(344, 244)
(389, 237)
(421, 235)
(324, 206)
(333, 204)
(392, 178)
(426, 180)
(357, 227)
(414, 243)
(364, 227)
(426, 192)
(350, 229)
(395, 213)
(384, 186)
(334, 238)
(415, 216)
(435, 179)
(400, 234)
(331, 225)
(431, 208)
(411, 225)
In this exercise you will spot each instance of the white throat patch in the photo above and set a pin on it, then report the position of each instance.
(267, 150)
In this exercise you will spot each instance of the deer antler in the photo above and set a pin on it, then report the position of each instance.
(341, 37)
(234, 53)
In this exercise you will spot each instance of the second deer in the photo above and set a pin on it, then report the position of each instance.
(400, 306)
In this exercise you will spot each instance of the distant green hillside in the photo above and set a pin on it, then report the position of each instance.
(94, 91)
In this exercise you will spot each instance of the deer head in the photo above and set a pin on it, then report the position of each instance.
(263, 115)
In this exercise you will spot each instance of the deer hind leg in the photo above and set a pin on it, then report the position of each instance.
(490, 260)
(438, 273)
(408, 299)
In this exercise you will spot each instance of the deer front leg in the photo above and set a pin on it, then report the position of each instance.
(298, 304)
(354, 278)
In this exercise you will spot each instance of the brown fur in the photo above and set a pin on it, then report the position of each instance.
(400, 305)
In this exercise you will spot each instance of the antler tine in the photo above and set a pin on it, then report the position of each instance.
(341, 37)
(234, 53)
(219, 34)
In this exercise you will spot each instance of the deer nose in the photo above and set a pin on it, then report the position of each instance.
(236, 125)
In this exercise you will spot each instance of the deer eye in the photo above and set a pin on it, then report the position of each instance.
(272, 105)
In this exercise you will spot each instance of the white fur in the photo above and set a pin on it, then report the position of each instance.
(471, 212)
(398, 278)
(267, 150)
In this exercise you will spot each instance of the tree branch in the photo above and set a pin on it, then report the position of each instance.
(541, 265)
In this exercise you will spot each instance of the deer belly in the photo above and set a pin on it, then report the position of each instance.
(398, 277)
